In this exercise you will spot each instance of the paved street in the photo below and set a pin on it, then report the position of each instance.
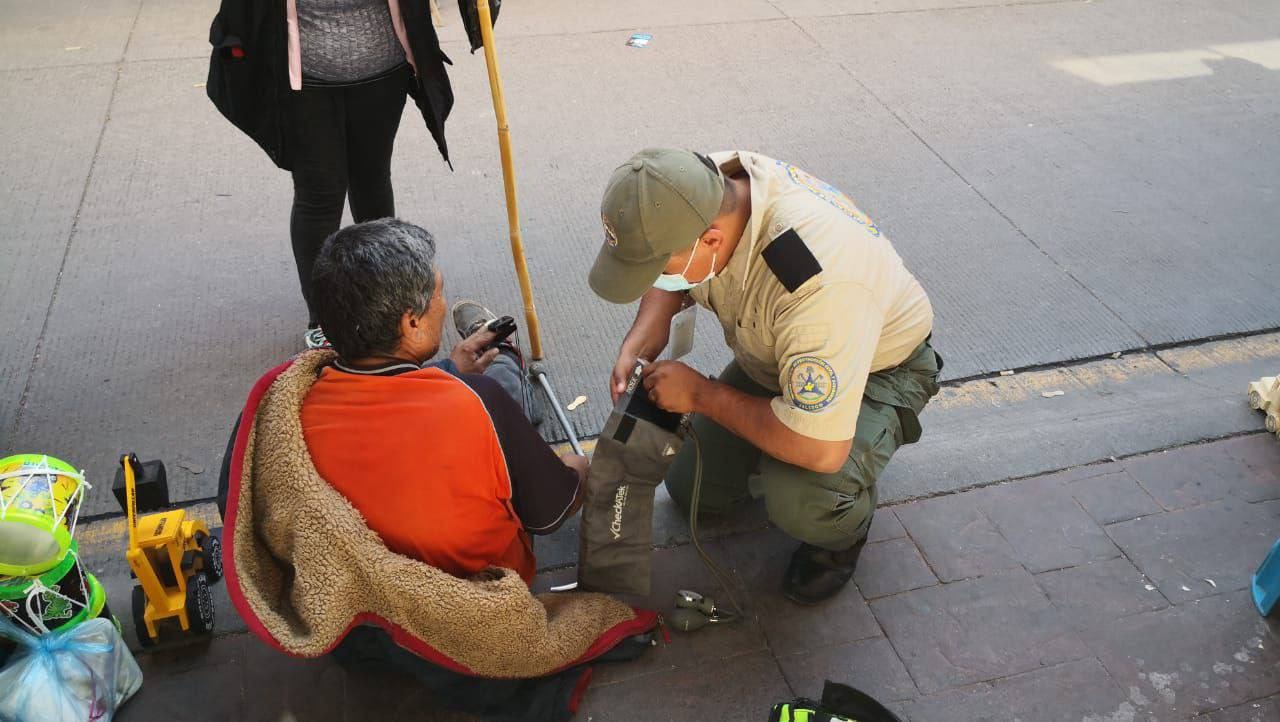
(1113, 591)
(1088, 189)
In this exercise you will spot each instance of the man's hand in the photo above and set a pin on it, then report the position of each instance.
(579, 464)
(647, 337)
(622, 372)
(674, 386)
(469, 354)
(752, 418)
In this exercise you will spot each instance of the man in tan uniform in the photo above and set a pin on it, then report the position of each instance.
(830, 335)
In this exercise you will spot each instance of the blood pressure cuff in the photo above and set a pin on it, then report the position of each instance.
(636, 447)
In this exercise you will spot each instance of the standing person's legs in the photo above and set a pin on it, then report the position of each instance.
(373, 118)
(319, 176)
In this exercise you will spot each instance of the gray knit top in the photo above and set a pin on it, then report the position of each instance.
(347, 40)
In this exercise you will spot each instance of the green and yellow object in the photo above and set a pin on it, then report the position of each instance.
(800, 711)
(40, 500)
(61, 597)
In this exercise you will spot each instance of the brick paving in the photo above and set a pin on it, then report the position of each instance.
(1113, 592)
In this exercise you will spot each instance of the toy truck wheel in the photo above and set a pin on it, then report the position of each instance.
(1255, 399)
(199, 604)
(1273, 422)
(139, 620)
(211, 558)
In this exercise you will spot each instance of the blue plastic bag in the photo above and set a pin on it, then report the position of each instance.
(81, 674)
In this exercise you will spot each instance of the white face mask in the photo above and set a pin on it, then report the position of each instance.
(676, 282)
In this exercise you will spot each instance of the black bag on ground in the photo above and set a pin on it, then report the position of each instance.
(636, 447)
(840, 703)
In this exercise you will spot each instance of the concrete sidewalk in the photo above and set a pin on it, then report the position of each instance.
(1112, 591)
(1068, 179)
(145, 273)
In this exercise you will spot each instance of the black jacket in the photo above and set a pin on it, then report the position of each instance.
(249, 69)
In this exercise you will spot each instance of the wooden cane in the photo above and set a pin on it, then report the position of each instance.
(509, 180)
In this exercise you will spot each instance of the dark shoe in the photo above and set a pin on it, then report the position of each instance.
(469, 316)
(817, 574)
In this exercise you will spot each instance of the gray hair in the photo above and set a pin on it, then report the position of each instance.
(365, 278)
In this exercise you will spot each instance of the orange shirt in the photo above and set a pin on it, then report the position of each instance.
(417, 454)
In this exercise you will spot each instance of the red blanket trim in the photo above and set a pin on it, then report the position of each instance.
(579, 689)
(233, 504)
(644, 620)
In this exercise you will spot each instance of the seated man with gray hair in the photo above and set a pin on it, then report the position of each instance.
(378, 506)
(440, 458)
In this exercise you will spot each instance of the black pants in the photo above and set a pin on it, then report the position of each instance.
(369, 651)
(344, 136)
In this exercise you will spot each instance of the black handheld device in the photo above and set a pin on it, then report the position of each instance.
(503, 327)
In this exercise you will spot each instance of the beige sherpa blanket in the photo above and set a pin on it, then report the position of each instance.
(303, 567)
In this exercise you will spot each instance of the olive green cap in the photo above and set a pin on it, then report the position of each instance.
(656, 205)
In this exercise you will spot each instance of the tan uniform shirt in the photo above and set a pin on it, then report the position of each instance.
(814, 299)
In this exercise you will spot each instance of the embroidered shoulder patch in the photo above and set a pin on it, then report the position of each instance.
(812, 383)
(830, 194)
(791, 260)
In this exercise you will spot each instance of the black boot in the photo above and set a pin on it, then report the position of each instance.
(817, 574)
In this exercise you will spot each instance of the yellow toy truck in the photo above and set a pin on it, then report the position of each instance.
(1264, 396)
(174, 558)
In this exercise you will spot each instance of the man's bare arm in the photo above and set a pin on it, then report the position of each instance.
(648, 335)
(752, 418)
(678, 388)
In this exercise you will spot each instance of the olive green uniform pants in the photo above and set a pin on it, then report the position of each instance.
(832, 511)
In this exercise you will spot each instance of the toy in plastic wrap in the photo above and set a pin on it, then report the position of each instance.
(83, 672)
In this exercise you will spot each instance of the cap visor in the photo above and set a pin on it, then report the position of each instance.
(620, 281)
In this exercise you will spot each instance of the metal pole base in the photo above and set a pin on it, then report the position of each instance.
(539, 375)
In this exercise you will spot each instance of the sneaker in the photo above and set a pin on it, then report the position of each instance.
(469, 316)
(315, 338)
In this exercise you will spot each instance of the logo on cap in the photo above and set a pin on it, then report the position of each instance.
(610, 236)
